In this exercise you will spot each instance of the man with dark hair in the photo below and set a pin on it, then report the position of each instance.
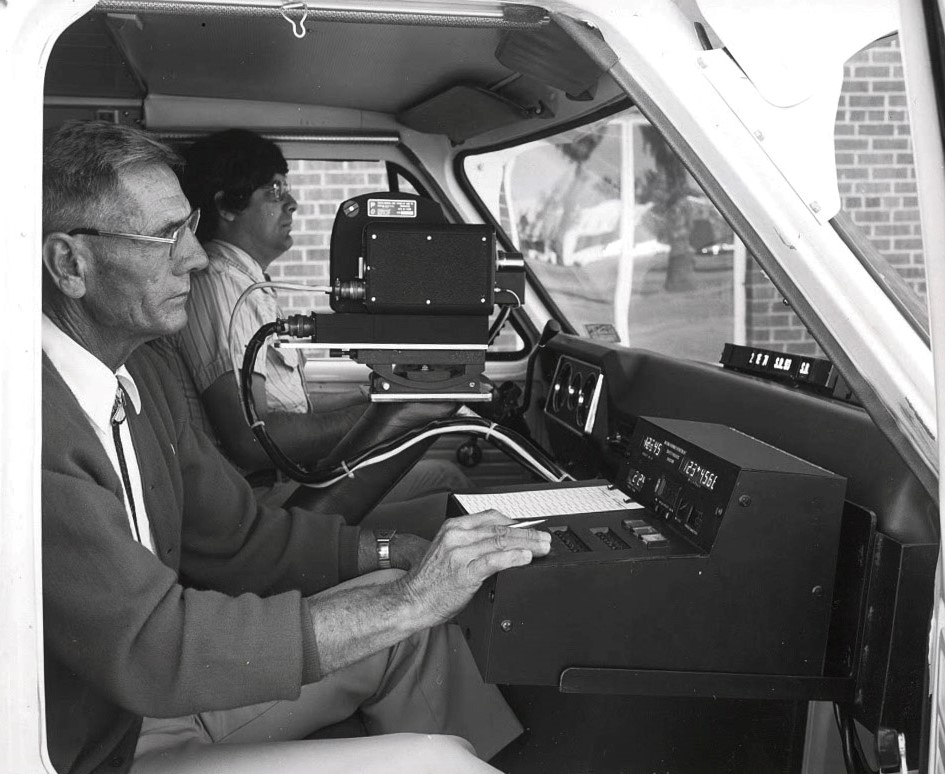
(238, 180)
(180, 615)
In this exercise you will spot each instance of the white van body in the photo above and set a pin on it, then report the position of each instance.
(756, 110)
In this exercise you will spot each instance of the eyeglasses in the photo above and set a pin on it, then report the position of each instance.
(277, 190)
(174, 239)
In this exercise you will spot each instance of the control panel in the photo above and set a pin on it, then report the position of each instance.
(721, 558)
(687, 473)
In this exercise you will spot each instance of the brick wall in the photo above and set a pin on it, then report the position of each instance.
(877, 186)
(319, 187)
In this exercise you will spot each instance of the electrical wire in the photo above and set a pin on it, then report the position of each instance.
(499, 322)
(234, 346)
(518, 300)
(853, 759)
(552, 329)
(521, 448)
(531, 456)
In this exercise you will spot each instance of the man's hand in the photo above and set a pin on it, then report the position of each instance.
(355, 621)
(465, 552)
(407, 551)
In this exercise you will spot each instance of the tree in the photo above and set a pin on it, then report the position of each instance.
(669, 189)
(560, 209)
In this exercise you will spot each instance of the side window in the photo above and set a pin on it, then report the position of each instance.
(403, 184)
(874, 160)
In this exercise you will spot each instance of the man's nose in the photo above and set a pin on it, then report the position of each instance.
(191, 254)
(291, 204)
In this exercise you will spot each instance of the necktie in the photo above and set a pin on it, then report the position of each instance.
(118, 416)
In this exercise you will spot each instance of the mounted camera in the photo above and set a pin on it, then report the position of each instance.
(412, 296)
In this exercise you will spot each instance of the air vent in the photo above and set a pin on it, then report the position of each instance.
(585, 398)
(575, 394)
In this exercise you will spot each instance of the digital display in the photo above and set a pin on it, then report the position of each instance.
(698, 475)
(775, 362)
(653, 446)
(810, 371)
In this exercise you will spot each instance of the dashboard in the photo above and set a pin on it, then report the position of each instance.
(833, 434)
(609, 413)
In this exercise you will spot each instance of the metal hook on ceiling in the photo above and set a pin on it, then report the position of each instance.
(298, 28)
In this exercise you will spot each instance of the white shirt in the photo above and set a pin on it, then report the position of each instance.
(204, 343)
(94, 386)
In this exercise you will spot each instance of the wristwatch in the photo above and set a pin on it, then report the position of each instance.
(383, 537)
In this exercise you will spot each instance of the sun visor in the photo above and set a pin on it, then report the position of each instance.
(781, 73)
(550, 56)
(462, 112)
(785, 50)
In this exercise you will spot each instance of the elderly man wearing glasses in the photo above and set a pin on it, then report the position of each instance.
(238, 179)
(187, 627)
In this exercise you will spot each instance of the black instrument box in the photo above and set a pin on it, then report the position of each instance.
(429, 269)
(727, 569)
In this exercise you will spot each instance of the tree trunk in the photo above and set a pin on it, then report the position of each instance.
(679, 271)
(569, 211)
(681, 264)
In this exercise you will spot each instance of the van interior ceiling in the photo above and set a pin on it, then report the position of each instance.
(458, 82)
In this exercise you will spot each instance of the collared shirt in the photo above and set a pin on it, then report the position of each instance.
(94, 385)
(204, 342)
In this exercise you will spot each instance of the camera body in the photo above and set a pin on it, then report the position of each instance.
(412, 296)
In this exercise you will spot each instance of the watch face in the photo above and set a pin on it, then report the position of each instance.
(383, 538)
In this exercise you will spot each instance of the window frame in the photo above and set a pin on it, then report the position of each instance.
(625, 111)
(462, 179)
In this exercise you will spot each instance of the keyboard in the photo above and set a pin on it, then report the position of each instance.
(542, 503)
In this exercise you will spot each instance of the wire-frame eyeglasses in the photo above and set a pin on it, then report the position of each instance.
(174, 239)
(277, 190)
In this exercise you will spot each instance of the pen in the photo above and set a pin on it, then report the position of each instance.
(526, 523)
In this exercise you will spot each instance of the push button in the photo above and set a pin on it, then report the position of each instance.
(652, 540)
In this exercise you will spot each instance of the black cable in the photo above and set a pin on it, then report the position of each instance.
(845, 745)
(499, 322)
(853, 759)
(858, 749)
(462, 426)
(281, 461)
(552, 329)
(325, 475)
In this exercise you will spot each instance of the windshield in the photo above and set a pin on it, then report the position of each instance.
(631, 249)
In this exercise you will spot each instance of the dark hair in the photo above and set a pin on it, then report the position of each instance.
(236, 162)
(81, 166)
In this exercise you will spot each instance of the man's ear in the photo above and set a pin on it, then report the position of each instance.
(66, 263)
(222, 211)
